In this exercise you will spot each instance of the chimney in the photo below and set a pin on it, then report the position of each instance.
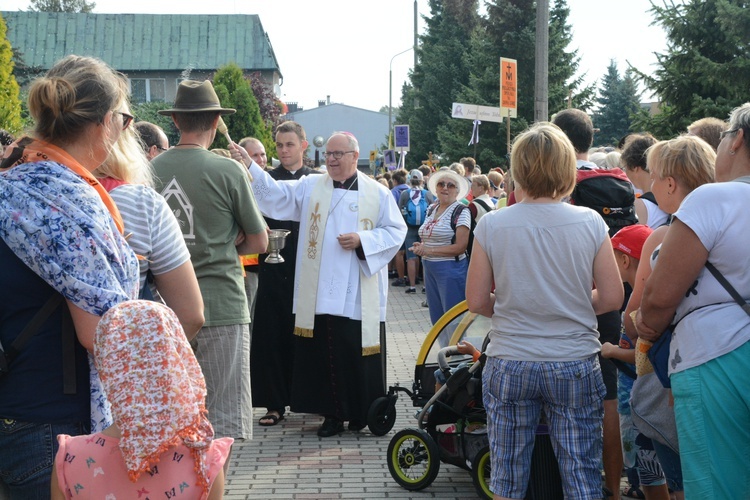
(328, 99)
(321, 103)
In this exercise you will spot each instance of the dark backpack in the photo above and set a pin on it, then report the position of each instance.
(609, 193)
(454, 223)
(415, 214)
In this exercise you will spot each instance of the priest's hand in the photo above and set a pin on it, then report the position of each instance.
(349, 241)
(239, 154)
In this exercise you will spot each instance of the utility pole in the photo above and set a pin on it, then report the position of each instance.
(416, 17)
(541, 66)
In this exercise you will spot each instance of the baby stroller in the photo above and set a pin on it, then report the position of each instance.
(452, 422)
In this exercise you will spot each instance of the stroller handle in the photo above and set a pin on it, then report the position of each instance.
(444, 354)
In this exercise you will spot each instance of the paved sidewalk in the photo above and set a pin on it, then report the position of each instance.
(290, 461)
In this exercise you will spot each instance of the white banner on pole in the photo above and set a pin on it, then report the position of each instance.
(476, 112)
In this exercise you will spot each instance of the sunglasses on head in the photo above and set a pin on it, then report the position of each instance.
(449, 185)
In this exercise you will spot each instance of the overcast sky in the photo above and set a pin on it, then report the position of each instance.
(344, 48)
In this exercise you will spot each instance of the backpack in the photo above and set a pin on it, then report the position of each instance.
(454, 223)
(416, 213)
(609, 193)
(55, 302)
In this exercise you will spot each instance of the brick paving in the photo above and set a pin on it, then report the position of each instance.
(290, 461)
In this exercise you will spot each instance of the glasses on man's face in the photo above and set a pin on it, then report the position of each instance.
(127, 119)
(449, 185)
(336, 154)
(160, 148)
(727, 132)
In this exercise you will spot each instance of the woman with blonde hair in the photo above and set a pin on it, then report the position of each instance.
(60, 240)
(531, 271)
(677, 167)
(153, 232)
(710, 345)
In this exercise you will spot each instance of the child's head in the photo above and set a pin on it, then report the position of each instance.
(154, 383)
(628, 245)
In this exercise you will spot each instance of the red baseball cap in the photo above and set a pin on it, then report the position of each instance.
(629, 240)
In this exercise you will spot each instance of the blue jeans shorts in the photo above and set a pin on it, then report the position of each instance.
(27, 452)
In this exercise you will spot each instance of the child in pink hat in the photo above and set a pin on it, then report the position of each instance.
(161, 440)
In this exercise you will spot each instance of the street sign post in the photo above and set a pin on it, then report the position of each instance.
(476, 112)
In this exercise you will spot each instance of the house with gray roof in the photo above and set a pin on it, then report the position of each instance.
(154, 51)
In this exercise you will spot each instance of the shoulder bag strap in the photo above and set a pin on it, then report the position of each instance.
(34, 325)
(728, 287)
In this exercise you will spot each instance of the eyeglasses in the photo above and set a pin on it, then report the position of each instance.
(336, 154)
(127, 119)
(449, 185)
(160, 148)
(727, 132)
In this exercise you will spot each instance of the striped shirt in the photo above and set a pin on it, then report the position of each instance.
(154, 231)
(437, 232)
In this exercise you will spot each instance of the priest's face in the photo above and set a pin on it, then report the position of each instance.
(345, 165)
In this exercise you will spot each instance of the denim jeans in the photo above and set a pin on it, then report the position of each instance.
(27, 452)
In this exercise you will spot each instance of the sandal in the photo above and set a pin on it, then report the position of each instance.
(632, 492)
(271, 420)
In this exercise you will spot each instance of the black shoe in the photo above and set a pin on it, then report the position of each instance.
(424, 290)
(411, 289)
(356, 425)
(330, 427)
(400, 282)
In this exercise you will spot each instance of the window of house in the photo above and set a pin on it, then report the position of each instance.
(147, 89)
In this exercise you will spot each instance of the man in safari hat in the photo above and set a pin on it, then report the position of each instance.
(213, 201)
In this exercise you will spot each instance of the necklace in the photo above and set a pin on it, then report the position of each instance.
(188, 144)
(430, 225)
(343, 196)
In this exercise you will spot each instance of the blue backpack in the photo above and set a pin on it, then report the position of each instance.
(416, 213)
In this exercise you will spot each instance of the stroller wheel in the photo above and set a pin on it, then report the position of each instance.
(381, 416)
(480, 473)
(413, 459)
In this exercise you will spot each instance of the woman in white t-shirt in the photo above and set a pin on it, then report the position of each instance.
(710, 348)
(445, 236)
(531, 271)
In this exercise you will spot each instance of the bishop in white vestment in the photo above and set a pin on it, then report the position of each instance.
(350, 228)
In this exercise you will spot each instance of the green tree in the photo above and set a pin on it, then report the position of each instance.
(10, 104)
(618, 101)
(62, 6)
(440, 72)
(509, 30)
(234, 91)
(706, 67)
(270, 109)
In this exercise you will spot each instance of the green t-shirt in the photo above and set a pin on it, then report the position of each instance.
(212, 198)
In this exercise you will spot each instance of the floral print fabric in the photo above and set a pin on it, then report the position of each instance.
(58, 226)
(154, 384)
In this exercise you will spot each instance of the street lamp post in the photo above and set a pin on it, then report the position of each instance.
(390, 97)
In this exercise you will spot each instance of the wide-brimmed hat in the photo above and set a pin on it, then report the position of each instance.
(448, 175)
(193, 97)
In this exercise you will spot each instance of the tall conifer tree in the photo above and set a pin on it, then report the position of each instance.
(706, 70)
